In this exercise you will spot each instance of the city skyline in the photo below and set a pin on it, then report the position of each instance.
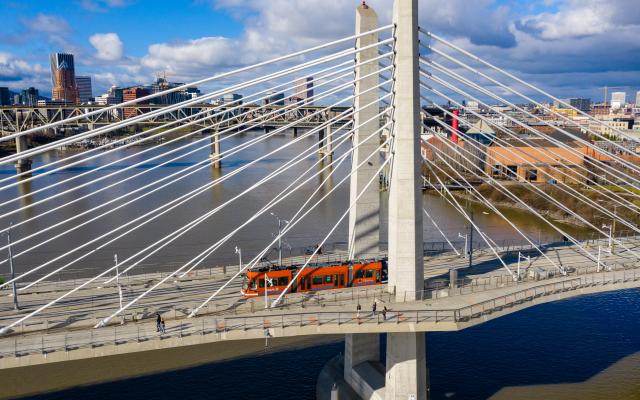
(533, 38)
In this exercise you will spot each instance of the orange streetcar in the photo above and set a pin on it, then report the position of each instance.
(314, 277)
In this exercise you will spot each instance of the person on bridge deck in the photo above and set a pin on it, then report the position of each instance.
(358, 308)
(162, 330)
(373, 308)
(384, 313)
(158, 322)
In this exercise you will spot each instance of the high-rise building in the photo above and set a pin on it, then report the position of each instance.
(29, 97)
(83, 83)
(638, 99)
(304, 90)
(277, 99)
(176, 97)
(5, 98)
(581, 104)
(17, 100)
(113, 96)
(618, 100)
(234, 98)
(133, 94)
(63, 78)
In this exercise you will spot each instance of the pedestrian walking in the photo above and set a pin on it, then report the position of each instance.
(384, 313)
(158, 322)
(358, 308)
(373, 308)
(162, 327)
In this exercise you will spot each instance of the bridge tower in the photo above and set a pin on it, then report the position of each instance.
(364, 217)
(406, 369)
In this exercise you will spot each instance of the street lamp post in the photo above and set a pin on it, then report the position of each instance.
(610, 227)
(613, 227)
(239, 253)
(115, 260)
(280, 221)
(466, 244)
(13, 272)
(521, 257)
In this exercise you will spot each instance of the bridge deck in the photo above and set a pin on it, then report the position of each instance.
(66, 332)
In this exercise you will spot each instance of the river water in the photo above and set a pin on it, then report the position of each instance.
(86, 202)
(569, 341)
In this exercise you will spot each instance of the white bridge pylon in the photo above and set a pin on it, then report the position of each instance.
(377, 111)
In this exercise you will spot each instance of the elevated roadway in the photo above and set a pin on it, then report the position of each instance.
(66, 331)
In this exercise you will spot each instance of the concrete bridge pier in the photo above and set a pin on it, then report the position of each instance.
(406, 369)
(215, 149)
(23, 164)
(362, 351)
(325, 139)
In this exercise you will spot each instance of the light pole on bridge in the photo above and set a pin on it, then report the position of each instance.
(11, 267)
(280, 221)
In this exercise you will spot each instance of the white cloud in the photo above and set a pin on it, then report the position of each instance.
(580, 18)
(101, 5)
(108, 46)
(18, 73)
(46, 24)
(194, 55)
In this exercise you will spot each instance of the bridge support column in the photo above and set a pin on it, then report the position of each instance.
(326, 145)
(364, 217)
(406, 376)
(23, 164)
(215, 149)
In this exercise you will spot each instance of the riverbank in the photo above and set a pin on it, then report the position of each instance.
(552, 209)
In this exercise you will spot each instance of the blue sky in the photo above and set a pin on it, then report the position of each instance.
(571, 47)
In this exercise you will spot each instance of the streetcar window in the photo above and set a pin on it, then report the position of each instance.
(359, 274)
(335, 280)
(370, 273)
(341, 280)
(245, 283)
(317, 280)
(378, 276)
(253, 285)
(284, 281)
(261, 283)
(328, 279)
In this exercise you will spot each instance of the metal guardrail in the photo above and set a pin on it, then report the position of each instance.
(116, 335)
(102, 304)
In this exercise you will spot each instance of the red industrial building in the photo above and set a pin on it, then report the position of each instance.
(133, 94)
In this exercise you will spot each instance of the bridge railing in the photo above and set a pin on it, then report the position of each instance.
(19, 345)
(80, 310)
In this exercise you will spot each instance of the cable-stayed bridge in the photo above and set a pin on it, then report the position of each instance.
(372, 95)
